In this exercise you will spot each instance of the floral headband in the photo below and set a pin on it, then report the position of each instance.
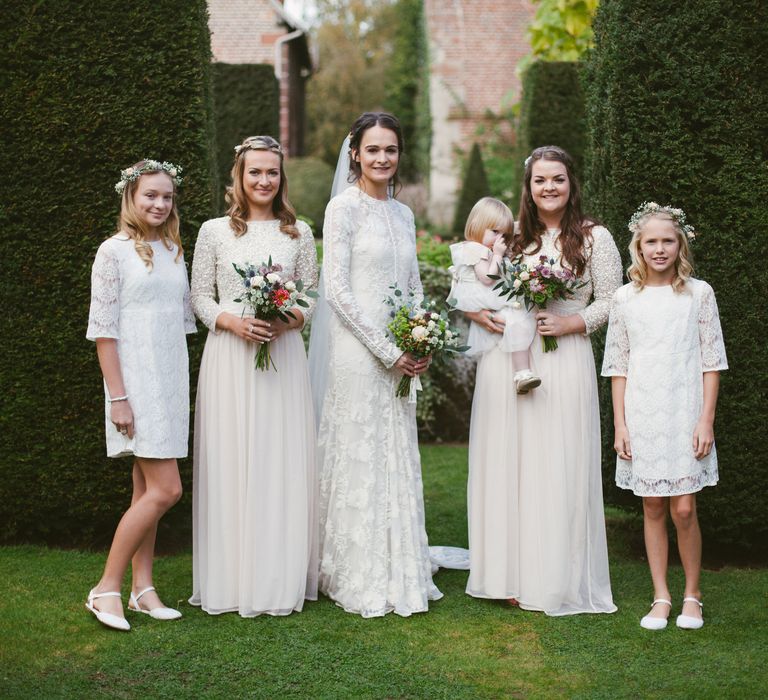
(259, 143)
(148, 166)
(652, 208)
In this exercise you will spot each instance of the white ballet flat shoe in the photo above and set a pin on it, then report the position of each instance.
(525, 380)
(108, 619)
(160, 613)
(655, 623)
(687, 622)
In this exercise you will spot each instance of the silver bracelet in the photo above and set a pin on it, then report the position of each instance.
(118, 398)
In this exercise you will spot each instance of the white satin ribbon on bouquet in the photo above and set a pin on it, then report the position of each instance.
(415, 386)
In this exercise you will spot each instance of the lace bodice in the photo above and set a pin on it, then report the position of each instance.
(215, 284)
(369, 245)
(602, 274)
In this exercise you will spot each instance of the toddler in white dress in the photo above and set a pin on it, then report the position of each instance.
(489, 226)
(664, 352)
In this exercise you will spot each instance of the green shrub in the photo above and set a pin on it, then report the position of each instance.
(309, 188)
(551, 113)
(247, 101)
(88, 88)
(677, 112)
(474, 186)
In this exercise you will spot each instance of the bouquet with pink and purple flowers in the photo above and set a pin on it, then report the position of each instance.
(537, 285)
(270, 295)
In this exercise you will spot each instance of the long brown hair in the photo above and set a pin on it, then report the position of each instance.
(130, 223)
(364, 122)
(575, 228)
(237, 200)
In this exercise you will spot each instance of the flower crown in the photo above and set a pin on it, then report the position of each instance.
(148, 166)
(651, 208)
(259, 143)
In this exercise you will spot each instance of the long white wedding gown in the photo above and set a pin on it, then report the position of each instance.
(373, 543)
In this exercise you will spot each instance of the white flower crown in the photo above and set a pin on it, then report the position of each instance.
(650, 208)
(148, 166)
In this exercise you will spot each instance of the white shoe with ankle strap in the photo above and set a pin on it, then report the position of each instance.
(160, 613)
(687, 622)
(655, 623)
(114, 621)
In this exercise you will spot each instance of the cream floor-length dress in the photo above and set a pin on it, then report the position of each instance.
(254, 500)
(536, 523)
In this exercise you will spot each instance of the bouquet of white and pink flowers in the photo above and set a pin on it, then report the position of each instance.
(422, 331)
(537, 285)
(270, 295)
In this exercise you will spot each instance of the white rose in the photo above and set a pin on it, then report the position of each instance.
(448, 335)
(257, 281)
(129, 171)
(517, 305)
(290, 285)
(273, 277)
(524, 276)
(430, 325)
(419, 332)
(516, 284)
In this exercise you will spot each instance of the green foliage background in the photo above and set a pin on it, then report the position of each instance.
(87, 89)
(247, 103)
(309, 188)
(474, 186)
(678, 113)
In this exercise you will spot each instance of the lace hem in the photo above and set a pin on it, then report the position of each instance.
(692, 483)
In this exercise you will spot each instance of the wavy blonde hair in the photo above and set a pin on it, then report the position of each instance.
(489, 213)
(130, 223)
(237, 200)
(638, 270)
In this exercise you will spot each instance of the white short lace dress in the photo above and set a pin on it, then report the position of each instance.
(663, 341)
(148, 312)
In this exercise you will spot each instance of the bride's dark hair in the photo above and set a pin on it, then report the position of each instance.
(575, 227)
(364, 122)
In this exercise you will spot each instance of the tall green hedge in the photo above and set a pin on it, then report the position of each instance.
(678, 112)
(551, 113)
(474, 186)
(309, 188)
(247, 101)
(87, 89)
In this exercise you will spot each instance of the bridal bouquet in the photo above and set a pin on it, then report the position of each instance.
(270, 295)
(537, 285)
(421, 331)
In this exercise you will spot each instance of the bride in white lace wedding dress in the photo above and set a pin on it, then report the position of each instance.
(373, 543)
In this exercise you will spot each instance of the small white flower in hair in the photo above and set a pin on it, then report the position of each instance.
(527, 161)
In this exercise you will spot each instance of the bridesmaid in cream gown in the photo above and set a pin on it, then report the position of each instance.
(254, 517)
(536, 525)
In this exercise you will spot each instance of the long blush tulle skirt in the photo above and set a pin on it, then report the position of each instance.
(254, 500)
(536, 523)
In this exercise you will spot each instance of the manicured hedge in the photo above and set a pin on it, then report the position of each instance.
(678, 112)
(551, 112)
(474, 186)
(88, 88)
(247, 103)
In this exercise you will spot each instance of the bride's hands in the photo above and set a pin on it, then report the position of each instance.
(246, 327)
(278, 327)
(411, 366)
(551, 324)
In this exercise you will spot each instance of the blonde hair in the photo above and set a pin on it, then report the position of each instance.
(131, 224)
(638, 270)
(237, 200)
(489, 213)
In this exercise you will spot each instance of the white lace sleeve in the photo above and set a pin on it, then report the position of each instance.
(337, 239)
(104, 315)
(605, 270)
(306, 266)
(189, 316)
(203, 296)
(415, 287)
(713, 356)
(616, 356)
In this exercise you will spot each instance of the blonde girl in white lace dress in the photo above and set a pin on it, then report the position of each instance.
(536, 523)
(254, 512)
(664, 352)
(140, 313)
(373, 543)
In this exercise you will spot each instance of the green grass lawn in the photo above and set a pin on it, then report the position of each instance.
(51, 647)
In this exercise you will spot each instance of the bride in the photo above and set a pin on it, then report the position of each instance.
(373, 543)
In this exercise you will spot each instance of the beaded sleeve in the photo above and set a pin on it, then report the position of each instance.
(203, 294)
(306, 267)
